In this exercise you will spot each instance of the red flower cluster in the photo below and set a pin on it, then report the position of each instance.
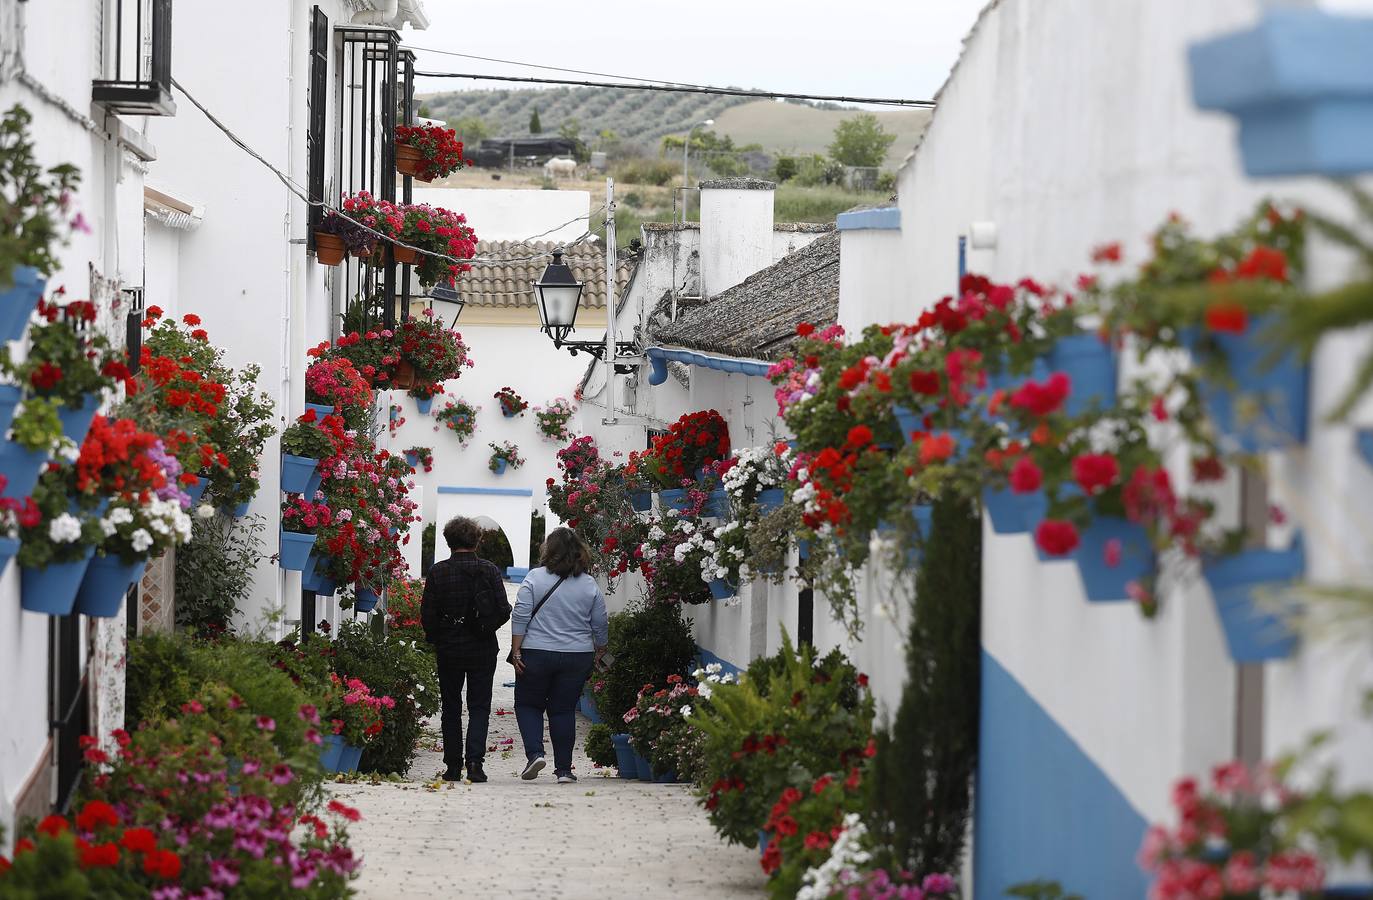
(441, 148)
(114, 461)
(694, 442)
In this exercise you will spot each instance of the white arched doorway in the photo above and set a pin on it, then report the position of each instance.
(509, 508)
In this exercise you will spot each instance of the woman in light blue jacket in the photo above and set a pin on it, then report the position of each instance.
(560, 631)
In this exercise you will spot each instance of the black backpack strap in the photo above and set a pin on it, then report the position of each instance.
(538, 606)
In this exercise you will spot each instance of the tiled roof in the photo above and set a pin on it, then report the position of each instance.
(507, 281)
(757, 318)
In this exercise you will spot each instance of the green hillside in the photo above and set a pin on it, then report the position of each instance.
(795, 128)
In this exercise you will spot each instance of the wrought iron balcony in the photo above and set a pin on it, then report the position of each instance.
(138, 59)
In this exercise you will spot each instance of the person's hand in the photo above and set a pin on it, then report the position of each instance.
(518, 662)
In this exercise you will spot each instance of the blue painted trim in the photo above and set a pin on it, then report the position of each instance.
(707, 658)
(659, 356)
(1044, 809)
(490, 492)
(962, 263)
(887, 218)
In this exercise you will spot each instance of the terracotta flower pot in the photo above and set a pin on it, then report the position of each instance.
(329, 249)
(405, 376)
(405, 254)
(410, 161)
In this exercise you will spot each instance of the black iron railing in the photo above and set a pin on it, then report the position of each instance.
(138, 59)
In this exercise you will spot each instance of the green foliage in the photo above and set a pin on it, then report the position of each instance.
(642, 170)
(861, 141)
(34, 202)
(37, 425)
(397, 668)
(304, 439)
(51, 872)
(1041, 890)
(471, 130)
(922, 775)
(816, 169)
(648, 642)
(785, 168)
(428, 539)
(599, 748)
(799, 722)
(535, 126)
(214, 571)
(495, 548)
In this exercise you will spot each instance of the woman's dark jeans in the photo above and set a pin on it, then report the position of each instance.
(552, 682)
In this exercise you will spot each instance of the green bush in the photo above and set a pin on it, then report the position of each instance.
(397, 668)
(648, 642)
(599, 748)
(214, 572)
(919, 800)
(656, 172)
(784, 169)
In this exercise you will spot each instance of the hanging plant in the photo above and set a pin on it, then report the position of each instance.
(420, 456)
(428, 151)
(435, 352)
(459, 417)
(553, 418)
(38, 202)
(512, 404)
(432, 235)
(694, 442)
(503, 456)
(380, 218)
(337, 236)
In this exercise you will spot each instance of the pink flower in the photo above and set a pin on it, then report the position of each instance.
(266, 723)
(1111, 553)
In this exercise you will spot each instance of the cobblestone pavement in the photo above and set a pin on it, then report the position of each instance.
(602, 837)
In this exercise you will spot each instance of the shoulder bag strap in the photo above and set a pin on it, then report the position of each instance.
(538, 606)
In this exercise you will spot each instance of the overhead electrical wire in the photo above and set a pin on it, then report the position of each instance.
(686, 89)
(302, 194)
(529, 65)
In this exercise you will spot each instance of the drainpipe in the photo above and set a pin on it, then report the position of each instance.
(610, 302)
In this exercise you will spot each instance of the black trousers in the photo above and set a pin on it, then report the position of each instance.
(452, 673)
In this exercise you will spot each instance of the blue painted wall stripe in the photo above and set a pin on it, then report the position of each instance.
(708, 657)
(1044, 810)
(885, 219)
(489, 492)
(692, 358)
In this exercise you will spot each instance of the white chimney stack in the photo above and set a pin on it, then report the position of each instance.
(736, 231)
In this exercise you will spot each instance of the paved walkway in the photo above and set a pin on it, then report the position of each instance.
(602, 837)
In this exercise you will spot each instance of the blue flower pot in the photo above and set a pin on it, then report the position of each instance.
(10, 395)
(295, 550)
(321, 410)
(412, 460)
(76, 420)
(52, 590)
(507, 412)
(314, 578)
(908, 421)
(1102, 582)
(764, 838)
(1091, 366)
(589, 708)
(394, 413)
(1008, 511)
(500, 467)
(770, 499)
(673, 498)
(331, 753)
(107, 580)
(624, 756)
(21, 468)
(665, 778)
(424, 404)
(1253, 631)
(349, 758)
(717, 504)
(18, 303)
(196, 489)
(1278, 394)
(242, 509)
(8, 548)
(721, 589)
(641, 766)
(641, 501)
(299, 474)
(803, 549)
(1299, 85)
(366, 600)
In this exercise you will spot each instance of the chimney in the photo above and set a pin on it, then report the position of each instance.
(736, 231)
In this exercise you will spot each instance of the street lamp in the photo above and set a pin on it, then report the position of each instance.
(559, 294)
(686, 147)
(447, 292)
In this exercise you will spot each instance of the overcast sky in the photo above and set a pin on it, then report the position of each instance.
(885, 48)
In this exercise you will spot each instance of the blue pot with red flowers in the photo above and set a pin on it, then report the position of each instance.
(18, 302)
(21, 468)
(1009, 512)
(103, 587)
(320, 410)
(1264, 405)
(196, 489)
(498, 466)
(412, 459)
(295, 550)
(1090, 364)
(314, 577)
(331, 753)
(642, 767)
(424, 405)
(1245, 588)
(53, 588)
(624, 756)
(365, 600)
(349, 758)
(1113, 552)
(299, 474)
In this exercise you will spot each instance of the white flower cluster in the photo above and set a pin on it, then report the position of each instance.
(65, 529)
(847, 857)
(711, 674)
(723, 555)
(758, 469)
(144, 524)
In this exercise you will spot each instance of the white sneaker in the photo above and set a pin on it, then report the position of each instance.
(533, 768)
(569, 778)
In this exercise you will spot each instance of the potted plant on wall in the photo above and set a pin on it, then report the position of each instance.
(379, 218)
(55, 550)
(136, 528)
(435, 240)
(37, 213)
(459, 417)
(338, 236)
(303, 445)
(552, 419)
(504, 455)
(424, 394)
(420, 456)
(429, 352)
(34, 435)
(427, 151)
(301, 520)
(512, 404)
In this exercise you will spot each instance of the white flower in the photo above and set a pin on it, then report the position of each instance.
(140, 540)
(69, 451)
(121, 515)
(204, 511)
(64, 529)
(686, 710)
(107, 527)
(714, 668)
(704, 690)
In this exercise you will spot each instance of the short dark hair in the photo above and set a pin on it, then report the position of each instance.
(462, 533)
(565, 554)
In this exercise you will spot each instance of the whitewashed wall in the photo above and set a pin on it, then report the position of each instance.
(54, 47)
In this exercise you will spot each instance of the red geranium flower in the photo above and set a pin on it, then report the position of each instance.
(1227, 317)
(1026, 477)
(1056, 537)
(1094, 472)
(99, 855)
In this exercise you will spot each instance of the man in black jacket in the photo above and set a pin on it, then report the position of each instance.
(464, 652)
